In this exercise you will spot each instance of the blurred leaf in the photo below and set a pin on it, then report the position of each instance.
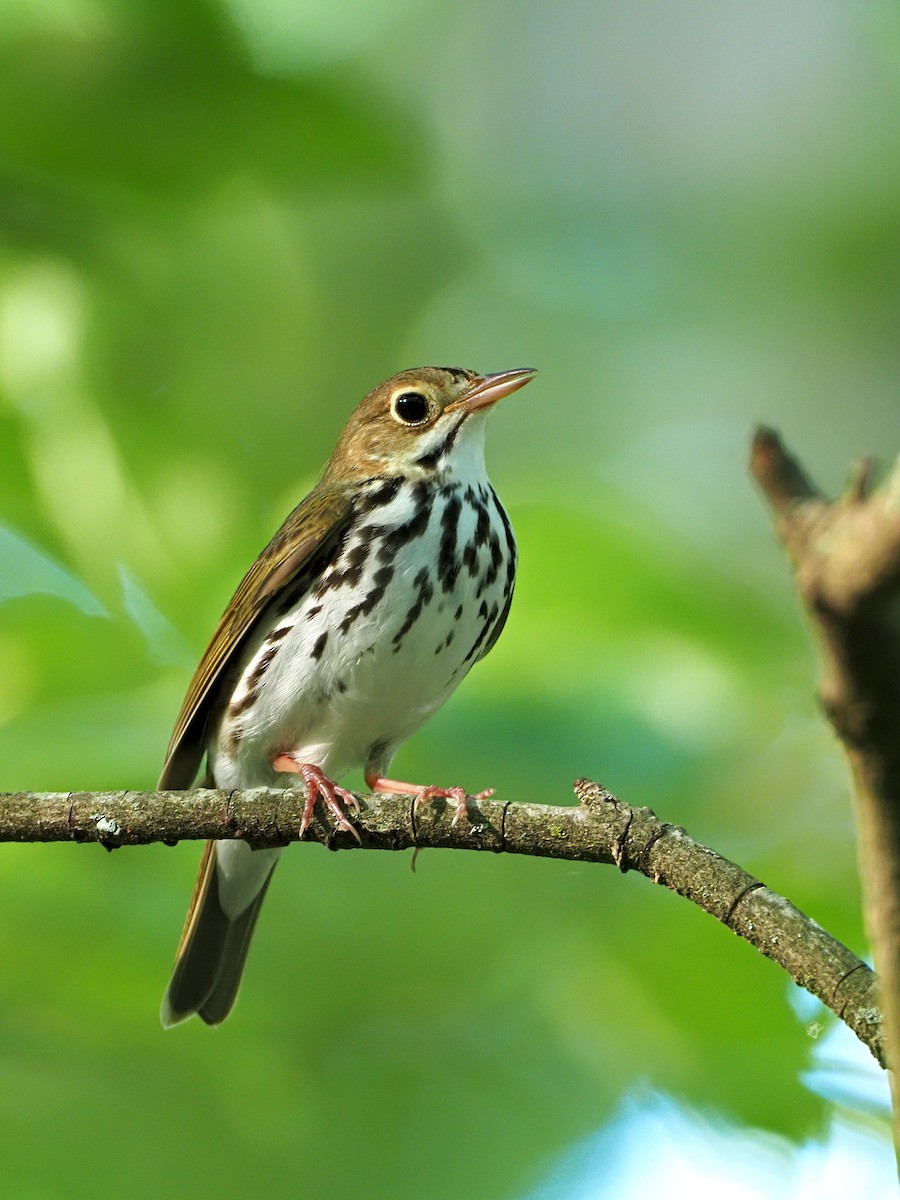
(24, 570)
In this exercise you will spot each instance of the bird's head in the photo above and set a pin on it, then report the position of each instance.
(427, 420)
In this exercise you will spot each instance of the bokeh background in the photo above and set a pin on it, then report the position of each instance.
(221, 223)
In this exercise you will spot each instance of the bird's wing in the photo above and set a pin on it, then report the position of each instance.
(491, 642)
(312, 529)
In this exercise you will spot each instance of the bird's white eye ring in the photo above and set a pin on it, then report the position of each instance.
(410, 408)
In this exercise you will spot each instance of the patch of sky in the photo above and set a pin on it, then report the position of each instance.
(655, 1146)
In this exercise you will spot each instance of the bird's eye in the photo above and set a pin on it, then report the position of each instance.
(410, 408)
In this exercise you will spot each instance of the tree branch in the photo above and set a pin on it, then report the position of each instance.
(599, 829)
(846, 560)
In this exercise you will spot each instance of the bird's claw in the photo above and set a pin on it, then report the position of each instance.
(422, 792)
(320, 787)
(457, 794)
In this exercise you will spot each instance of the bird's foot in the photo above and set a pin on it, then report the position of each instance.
(423, 792)
(319, 787)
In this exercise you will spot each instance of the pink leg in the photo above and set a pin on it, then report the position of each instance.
(423, 792)
(318, 785)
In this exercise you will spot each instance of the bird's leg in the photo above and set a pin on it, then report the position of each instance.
(423, 792)
(318, 785)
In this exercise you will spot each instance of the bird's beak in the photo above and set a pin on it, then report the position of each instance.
(488, 389)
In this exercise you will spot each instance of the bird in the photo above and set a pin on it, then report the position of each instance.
(378, 593)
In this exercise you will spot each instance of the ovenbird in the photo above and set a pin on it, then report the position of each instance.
(357, 621)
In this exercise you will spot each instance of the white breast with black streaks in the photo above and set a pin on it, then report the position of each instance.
(382, 636)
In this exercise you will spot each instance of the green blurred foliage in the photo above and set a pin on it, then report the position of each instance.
(221, 223)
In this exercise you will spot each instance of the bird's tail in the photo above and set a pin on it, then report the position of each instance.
(230, 889)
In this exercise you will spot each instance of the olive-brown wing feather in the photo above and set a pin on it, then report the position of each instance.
(312, 529)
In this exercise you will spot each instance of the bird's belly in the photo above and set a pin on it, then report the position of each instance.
(365, 660)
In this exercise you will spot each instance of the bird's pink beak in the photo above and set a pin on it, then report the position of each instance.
(488, 389)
